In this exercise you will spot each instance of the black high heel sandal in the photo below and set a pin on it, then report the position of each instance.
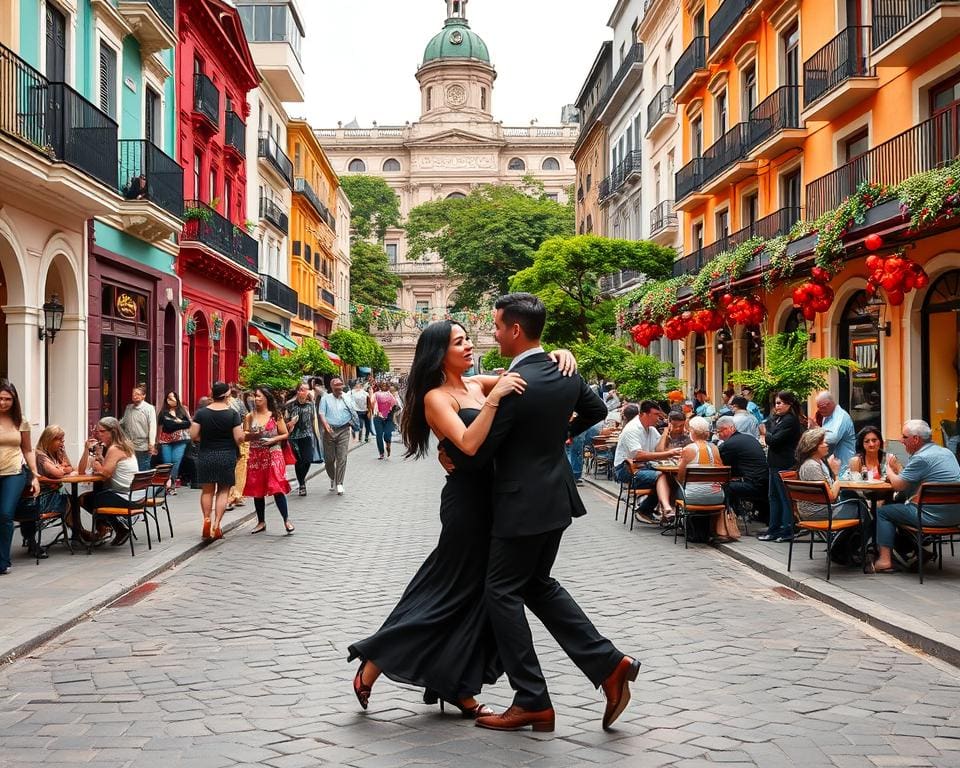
(467, 713)
(361, 689)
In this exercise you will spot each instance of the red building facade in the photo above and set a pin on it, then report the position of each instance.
(218, 260)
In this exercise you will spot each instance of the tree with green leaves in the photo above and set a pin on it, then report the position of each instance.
(359, 349)
(285, 371)
(601, 357)
(375, 206)
(641, 377)
(493, 360)
(486, 237)
(371, 281)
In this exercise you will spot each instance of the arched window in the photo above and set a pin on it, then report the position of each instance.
(357, 166)
(455, 195)
(860, 341)
(550, 164)
(391, 165)
(516, 164)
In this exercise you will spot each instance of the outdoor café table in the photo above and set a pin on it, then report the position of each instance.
(873, 491)
(74, 482)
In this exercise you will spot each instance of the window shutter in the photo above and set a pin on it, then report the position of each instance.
(108, 79)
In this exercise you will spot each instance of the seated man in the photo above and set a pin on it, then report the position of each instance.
(748, 468)
(638, 441)
(929, 463)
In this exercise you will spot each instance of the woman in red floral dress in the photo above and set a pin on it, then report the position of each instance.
(266, 431)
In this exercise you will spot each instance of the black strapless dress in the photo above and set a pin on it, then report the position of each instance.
(438, 635)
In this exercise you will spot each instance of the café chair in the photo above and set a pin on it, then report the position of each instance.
(157, 499)
(686, 512)
(934, 495)
(602, 457)
(48, 509)
(818, 492)
(136, 507)
(630, 495)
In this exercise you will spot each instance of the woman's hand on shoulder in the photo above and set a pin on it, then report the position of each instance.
(565, 361)
(509, 383)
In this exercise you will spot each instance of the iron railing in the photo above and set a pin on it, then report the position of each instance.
(780, 111)
(206, 98)
(236, 133)
(164, 8)
(631, 57)
(269, 149)
(725, 19)
(148, 173)
(617, 280)
(274, 292)
(302, 186)
(843, 57)
(890, 17)
(605, 189)
(273, 213)
(778, 223)
(204, 225)
(931, 144)
(661, 104)
(692, 59)
(689, 178)
(662, 216)
(726, 151)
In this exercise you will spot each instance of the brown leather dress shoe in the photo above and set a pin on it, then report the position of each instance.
(617, 689)
(517, 718)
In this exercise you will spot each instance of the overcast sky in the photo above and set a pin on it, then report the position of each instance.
(360, 56)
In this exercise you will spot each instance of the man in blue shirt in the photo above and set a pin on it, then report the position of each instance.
(929, 463)
(336, 414)
(841, 436)
(752, 407)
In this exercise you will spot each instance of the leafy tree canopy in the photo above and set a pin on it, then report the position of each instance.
(566, 272)
(359, 349)
(284, 372)
(488, 236)
(641, 377)
(493, 359)
(602, 356)
(371, 281)
(375, 206)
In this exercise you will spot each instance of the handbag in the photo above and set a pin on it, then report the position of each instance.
(725, 525)
(288, 456)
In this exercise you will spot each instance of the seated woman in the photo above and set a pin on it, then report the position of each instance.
(115, 461)
(676, 435)
(700, 453)
(869, 454)
(811, 452)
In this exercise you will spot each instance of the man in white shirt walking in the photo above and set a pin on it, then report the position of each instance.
(139, 423)
(337, 414)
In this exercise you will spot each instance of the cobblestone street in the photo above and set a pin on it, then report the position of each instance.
(238, 657)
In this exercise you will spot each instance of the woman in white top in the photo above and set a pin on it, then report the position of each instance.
(17, 461)
(111, 455)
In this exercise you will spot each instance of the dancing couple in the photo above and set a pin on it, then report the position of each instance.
(460, 622)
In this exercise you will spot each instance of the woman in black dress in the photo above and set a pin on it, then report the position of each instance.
(784, 428)
(217, 428)
(438, 636)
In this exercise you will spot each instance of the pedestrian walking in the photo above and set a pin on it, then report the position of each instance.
(337, 414)
(139, 424)
(218, 429)
(266, 468)
(17, 461)
(384, 404)
(301, 418)
(361, 404)
(173, 436)
(237, 401)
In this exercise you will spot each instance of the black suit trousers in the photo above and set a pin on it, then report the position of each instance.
(518, 574)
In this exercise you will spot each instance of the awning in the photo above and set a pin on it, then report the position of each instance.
(334, 357)
(363, 369)
(272, 338)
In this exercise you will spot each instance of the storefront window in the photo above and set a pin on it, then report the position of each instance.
(700, 361)
(941, 346)
(860, 390)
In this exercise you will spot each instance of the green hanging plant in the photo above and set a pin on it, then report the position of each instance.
(728, 266)
(834, 225)
(931, 196)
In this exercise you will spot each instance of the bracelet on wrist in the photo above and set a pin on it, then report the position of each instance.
(490, 404)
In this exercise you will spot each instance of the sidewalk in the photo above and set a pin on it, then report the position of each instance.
(38, 602)
(921, 615)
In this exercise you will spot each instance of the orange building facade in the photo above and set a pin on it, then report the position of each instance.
(787, 108)
(312, 234)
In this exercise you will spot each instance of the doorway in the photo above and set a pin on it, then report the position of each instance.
(941, 361)
(124, 364)
(860, 390)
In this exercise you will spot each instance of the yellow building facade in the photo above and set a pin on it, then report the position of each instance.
(313, 227)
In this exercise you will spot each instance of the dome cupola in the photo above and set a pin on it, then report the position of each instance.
(456, 40)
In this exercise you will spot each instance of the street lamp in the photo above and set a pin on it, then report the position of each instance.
(52, 318)
(877, 304)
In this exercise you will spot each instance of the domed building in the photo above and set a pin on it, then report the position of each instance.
(454, 146)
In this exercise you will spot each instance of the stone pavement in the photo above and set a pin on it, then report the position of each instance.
(923, 615)
(237, 657)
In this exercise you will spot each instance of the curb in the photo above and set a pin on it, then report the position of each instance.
(114, 590)
(923, 637)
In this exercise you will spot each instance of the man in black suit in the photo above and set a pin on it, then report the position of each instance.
(535, 499)
(748, 467)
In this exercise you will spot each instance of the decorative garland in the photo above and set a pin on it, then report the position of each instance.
(729, 266)
(385, 318)
(834, 225)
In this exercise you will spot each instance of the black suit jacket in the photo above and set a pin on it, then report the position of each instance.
(534, 491)
(746, 459)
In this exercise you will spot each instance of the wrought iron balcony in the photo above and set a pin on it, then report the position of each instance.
(273, 213)
(151, 22)
(662, 216)
(272, 291)
(632, 56)
(726, 151)
(931, 144)
(844, 57)
(206, 98)
(56, 121)
(660, 105)
(692, 60)
(269, 149)
(604, 190)
(204, 225)
(891, 17)
(236, 133)
(779, 112)
(625, 278)
(725, 19)
(147, 173)
(689, 178)
(302, 186)
(164, 8)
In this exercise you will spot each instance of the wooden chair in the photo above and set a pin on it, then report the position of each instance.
(818, 492)
(933, 495)
(157, 499)
(48, 509)
(136, 507)
(685, 511)
(629, 495)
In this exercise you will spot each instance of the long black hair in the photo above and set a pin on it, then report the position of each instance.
(270, 398)
(16, 411)
(861, 436)
(789, 399)
(426, 373)
(178, 409)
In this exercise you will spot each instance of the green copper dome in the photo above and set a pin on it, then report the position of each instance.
(456, 41)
